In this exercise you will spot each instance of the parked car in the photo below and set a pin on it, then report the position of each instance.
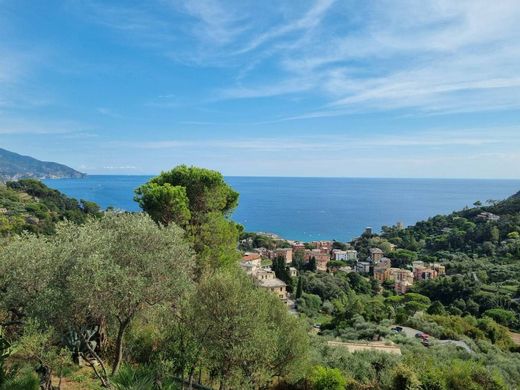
(397, 329)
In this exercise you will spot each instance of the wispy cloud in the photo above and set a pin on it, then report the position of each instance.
(309, 20)
(328, 143)
(9, 126)
(430, 56)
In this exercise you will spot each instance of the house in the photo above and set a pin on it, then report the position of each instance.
(403, 280)
(423, 271)
(285, 253)
(381, 274)
(252, 258)
(385, 262)
(376, 255)
(487, 216)
(322, 262)
(293, 272)
(383, 270)
(276, 286)
(298, 246)
(266, 278)
(363, 267)
(326, 245)
(321, 256)
(339, 255)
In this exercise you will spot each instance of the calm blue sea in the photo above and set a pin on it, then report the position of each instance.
(316, 208)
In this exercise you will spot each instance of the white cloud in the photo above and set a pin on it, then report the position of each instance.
(39, 126)
(309, 20)
(433, 138)
(439, 56)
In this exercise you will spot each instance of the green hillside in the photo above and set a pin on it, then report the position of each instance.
(29, 205)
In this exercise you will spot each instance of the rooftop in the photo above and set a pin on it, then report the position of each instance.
(272, 283)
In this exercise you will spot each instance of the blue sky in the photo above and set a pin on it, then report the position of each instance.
(276, 88)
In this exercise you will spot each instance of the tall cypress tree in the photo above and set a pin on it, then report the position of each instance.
(299, 288)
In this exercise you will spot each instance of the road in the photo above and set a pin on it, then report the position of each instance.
(411, 332)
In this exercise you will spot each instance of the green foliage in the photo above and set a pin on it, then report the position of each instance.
(109, 269)
(404, 378)
(470, 375)
(254, 339)
(503, 317)
(324, 378)
(282, 272)
(436, 308)
(129, 378)
(37, 347)
(5, 351)
(164, 203)
(200, 201)
(299, 288)
(310, 304)
(251, 240)
(29, 205)
(206, 190)
(23, 379)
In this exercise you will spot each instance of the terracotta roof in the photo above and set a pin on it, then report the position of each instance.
(251, 257)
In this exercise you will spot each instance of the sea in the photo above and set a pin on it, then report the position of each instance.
(310, 209)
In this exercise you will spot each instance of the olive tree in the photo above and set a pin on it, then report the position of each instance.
(117, 266)
(100, 274)
(241, 334)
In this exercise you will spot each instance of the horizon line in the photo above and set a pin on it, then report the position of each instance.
(317, 177)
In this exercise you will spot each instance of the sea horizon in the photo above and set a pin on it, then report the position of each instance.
(309, 177)
(315, 208)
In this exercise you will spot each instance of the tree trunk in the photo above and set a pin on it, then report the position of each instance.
(102, 377)
(190, 379)
(119, 345)
(45, 377)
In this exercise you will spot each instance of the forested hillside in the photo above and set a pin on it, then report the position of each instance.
(29, 205)
(491, 230)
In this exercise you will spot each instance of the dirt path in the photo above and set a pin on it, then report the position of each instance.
(515, 337)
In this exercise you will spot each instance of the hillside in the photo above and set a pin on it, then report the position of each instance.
(492, 230)
(29, 205)
(14, 166)
(480, 249)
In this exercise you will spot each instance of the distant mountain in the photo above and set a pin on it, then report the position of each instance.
(14, 166)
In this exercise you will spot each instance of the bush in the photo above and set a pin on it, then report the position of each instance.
(324, 378)
(309, 304)
(502, 316)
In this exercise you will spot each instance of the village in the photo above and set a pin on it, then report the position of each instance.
(325, 258)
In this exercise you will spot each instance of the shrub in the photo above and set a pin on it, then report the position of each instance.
(324, 378)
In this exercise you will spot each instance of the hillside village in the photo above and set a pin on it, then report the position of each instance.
(322, 256)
